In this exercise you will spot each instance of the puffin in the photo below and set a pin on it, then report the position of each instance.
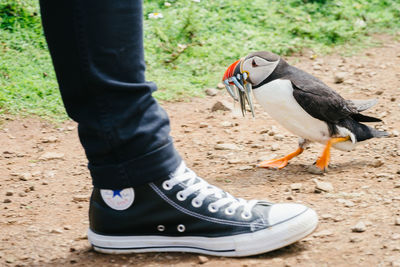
(301, 103)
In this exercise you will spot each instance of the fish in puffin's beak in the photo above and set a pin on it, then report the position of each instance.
(237, 86)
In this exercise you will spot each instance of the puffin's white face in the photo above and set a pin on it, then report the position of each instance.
(257, 68)
(245, 73)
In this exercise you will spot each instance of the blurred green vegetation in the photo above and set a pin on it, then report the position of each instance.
(190, 47)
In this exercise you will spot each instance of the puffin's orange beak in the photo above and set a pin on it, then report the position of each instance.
(237, 86)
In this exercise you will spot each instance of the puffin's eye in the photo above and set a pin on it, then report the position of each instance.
(254, 64)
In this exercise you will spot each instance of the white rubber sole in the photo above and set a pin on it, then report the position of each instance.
(262, 241)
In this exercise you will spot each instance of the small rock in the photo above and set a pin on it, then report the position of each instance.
(275, 147)
(202, 259)
(70, 128)
(245, 168)
(323, 233)
(237, 161)
(7, 200)
(359, 227)
(211, 92)
(220, 86)
(10, 259)
(50, 174)
(296, 186)
(279, 137)
(395, 133)
(25, 176)
(395, 236)
(377, 163)
(358, 72)
(326, 216)
(81, 237)
(36, 173)
(339, 77)
(56, 231)
(226, 146)
(349, 82)
(49, 139)
(257, 146)
(355, 239)
(314, 169)
(385, 176)
(9, 193)
(316, 67)
(222, 105)
(51, 155)
(32, 229)
(273, 131)
(346, 203)
(226, 124)
(397, 221)
(338, 219)
(322, 186)
(203, 125)
(80, 198)
(349, 203)
(8, 154)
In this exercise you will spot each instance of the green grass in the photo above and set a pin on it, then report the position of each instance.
(190, 47)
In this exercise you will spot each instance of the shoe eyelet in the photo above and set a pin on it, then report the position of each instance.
(181, 228)
(161, 228)
(246, 215)
(229, 211)
(180, 196)
(196, 203)
(166, 185)
(212, 208)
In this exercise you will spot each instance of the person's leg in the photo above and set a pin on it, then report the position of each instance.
(97, 52)
(154, 205)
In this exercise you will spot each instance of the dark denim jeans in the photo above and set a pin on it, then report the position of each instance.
(97, 51)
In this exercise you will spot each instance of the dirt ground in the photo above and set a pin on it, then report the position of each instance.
(45, 186)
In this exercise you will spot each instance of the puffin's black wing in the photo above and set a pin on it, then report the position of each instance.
(317, 99)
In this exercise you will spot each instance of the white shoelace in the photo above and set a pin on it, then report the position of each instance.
(194, 184)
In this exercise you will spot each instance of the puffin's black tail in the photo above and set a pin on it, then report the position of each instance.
(362, 118)
(361, 105)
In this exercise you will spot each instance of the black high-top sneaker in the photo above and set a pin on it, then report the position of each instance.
(184, 213)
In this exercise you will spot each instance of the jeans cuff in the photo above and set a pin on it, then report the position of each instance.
(138, 171)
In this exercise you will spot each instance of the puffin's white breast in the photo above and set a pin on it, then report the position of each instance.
(277, 99)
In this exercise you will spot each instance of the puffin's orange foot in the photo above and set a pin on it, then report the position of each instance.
(322, 163)
(274, 163)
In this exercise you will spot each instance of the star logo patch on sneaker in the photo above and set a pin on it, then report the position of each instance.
(118, 199)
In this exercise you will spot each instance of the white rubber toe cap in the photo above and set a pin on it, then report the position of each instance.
(284, 211)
